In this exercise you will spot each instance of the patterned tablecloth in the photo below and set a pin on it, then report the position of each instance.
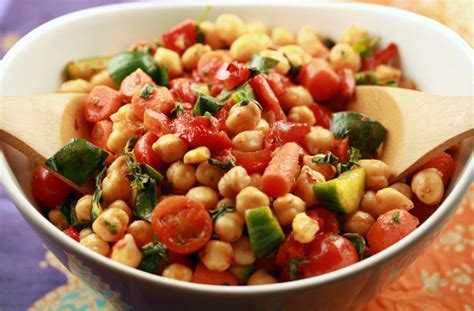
(32, 278)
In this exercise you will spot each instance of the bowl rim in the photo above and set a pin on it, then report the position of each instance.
(37, 220)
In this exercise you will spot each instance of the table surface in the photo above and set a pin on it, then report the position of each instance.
(32, 278)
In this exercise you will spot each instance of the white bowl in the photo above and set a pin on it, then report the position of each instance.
(434, 56)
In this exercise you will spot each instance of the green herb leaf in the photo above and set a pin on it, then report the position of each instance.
(395, 218)
(329, 43)
(154, 256)
(97, 196)
(164, 80)
(111, 227)
(330, 158)
(216, 213)
(178, 109)
(391, 83)
(208, 115)
(147, 90)
(224, 165)
(353, 155)
(145, 201)
(359, 243)
(67, 207)
(243, 93)
(152, 172)
(77, 160)
(366, 78)
(293, 265)
(259, 64)
(125, 63)
(294, 70)
(206, 103)
(366, 48)
(200, 37)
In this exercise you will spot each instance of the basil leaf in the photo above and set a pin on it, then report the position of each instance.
(240, 94)
(330, 158)
(145, 201)
(329, 43)
(366, 78)
(97, 196)
(152, 172)
(359, 243)
(178, 109)
(293, 265)
(154, 256)
(67, 207)
(77, 160)
(224, 165)
(146, 91)
(259, 64)
(353, 155)
(216, 213)
(125, 63)
(206, 103)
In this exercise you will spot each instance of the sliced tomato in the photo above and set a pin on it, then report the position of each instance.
(322, 114)
(101, 103)
(48, 190)
(346, 91)
(144, 153)
(210, 64)
(133, 82)
(72, 233)
(180, 37)
(327, 220)
(266, 97)
(381, 57)
(223, 155)
(233, 75)
(278, 83)
(216, 89)
(328, 252)
(203, 275)
(156, 122)
(282, 132)
(100, 133)
(320, 79)
(253, 161)
(294, 251)
(158, 99)
(200, 131)
(390, 228)
(444, 163)
(340, 149)
(181, 90)
(182, 224)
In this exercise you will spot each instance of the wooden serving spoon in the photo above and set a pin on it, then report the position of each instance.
(418, 125)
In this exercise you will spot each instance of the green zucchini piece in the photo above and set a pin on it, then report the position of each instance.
(96, 208)
(206, 103)
(125, 63)
(264, 230)
(363, 133)
(242, 273)
(344, 193)
(86, 68)
(77, 160)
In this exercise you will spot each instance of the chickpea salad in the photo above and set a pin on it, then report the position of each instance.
(222, 154)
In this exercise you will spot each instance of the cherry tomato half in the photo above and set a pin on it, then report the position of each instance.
(158, 99)
(282, 132)
(144, 153)
(210, 64)
(102, 102)
(253, 161)
(48, 190)
(180, 37)
(182, 224)
(133, 82)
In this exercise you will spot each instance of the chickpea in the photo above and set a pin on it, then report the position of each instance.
(209, 175)
(326, 169)
(75, 86)
(83, 208)
(354, 35)
(229, 27)
(304, 228)
(295, 96)
(304, 185)
(95, 243)
(263, 126)
(217, 255)
(225, 202)
(84, 233)
(318, 140)
(211, 36)
(282, 36)
(428, 186)
(378, 174)
(243, 118)
(142, 232)
(170, 59)
(386, 73)
(192, 55)
(170, 148)
(359, 222)
(248, 141)
(103, 78)
(247, 45)
(255, 180)
(229, 227)
(403, 188)
(111, 224)
(119, 165)
(389, 199)
(369, 203)
(308, 39)
(58, 219)
(261, 277)
(302, 114)
(287, 207)
(196, 156)
(126, 252)
(179, 272)
(256, 27)
(250, 197)
(206, 195)
(283, 65)
(115, 186)
(182, 176)
(243, 252)
(295, 53)
(119, 138)
(120, 204)
(233, 182)
(342, 56)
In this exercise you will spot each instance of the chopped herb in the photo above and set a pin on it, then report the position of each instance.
(294, 70)
(391, 83)
(395, 218)
(224, 165)
(200, 37)
(178, 109)
(366, 78)
(111, 227)
(206, 103)
(154, 256)
(329, 43)
(216, 213)
(366, 47)
(259, 64)
(147, 90)
(152, 172)
(241, 94)
(293, 264)
(330, 158)
(359, 244)
(97, 196)
(145, 201)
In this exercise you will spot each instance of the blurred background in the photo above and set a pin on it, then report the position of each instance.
(31, 277)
